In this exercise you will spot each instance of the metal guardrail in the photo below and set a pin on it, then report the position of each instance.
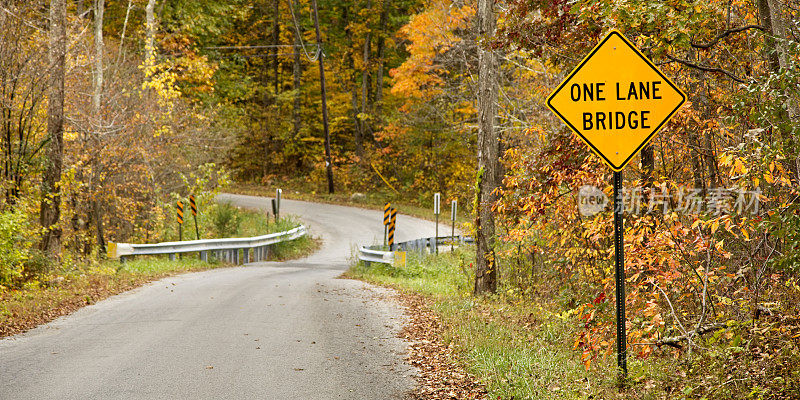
(373, 254)
(379, 256)
(235, 250)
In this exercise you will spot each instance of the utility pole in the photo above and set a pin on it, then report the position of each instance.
(320, 56)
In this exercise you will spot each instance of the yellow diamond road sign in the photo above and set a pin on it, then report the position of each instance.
(616, 100)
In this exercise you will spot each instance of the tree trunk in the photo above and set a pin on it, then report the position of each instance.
(358, 122)
(150, 28)
(297, 76)
(98, 220)
(365, 84)
(50, 212)
(381, 50)
(697, 167)
(353, 87)
(276, 37)
(267, 99)
(765, 15)
(94, 206)
(99, 11)
(488, 153)
(80, 8)
(648, 168)
(779, 32)
(324, 95)
(775, 44)
(121, 53)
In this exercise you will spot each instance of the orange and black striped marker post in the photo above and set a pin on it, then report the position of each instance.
(180, 221)
(193, 205)
(392, 225)
(386, 220)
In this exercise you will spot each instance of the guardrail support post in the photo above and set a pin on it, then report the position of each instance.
(246, 256)
(172, 256)
(204, 256)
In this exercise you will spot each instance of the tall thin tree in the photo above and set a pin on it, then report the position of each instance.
(97, 98)
(297, 81)
(365, 82)
(489, 172)
(50, 211)
(99, 10)
(381, 49)
(325, 128)
(150, 33)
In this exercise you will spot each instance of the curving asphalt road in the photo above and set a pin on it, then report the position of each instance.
(290, 330)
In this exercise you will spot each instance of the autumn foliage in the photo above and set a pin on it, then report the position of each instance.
(711, 221)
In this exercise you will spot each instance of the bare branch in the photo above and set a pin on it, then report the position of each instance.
(725, 34)
(675, 341)
(705, 68)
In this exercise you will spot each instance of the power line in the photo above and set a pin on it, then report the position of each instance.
(272, 46)
(265, 55)
(300, 37)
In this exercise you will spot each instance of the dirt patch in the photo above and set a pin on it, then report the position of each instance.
(440, 375)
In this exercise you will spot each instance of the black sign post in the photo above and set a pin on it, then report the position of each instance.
(619, 272)
(278, 195)
(453, 215)
(436, 200)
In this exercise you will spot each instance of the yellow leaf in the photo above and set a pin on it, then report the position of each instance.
(738, 167)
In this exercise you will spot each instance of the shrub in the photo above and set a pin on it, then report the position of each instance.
(14, 247)
(226, 219)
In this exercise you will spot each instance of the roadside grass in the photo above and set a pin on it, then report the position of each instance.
(256, 223)
(223, 220)
(77, 284)
(519, 349)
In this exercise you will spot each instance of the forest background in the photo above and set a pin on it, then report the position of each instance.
(166, 98)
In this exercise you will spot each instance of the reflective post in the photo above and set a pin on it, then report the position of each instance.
(619, 268)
